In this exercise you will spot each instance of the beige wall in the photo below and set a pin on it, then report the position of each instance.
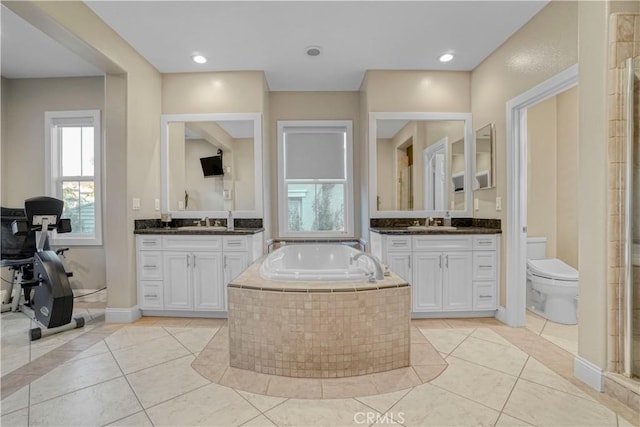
(542, 188)
(552, 174)
(23, 152)
(131, 125)
(567, 197)
(315, 106)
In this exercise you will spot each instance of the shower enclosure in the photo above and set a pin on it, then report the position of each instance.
(631, 224)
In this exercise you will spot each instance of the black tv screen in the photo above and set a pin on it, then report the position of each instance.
(212, 166)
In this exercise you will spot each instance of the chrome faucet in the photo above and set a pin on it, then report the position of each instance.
(207, 223)
(379, 274)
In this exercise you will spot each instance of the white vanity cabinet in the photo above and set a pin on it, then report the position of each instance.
(189, 273)
(450, 274)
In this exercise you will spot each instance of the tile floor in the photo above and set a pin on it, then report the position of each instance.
(564, 336)
(146, 374)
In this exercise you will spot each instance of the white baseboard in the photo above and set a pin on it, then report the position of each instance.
(588, 373)
(501, 314)
(122, 315)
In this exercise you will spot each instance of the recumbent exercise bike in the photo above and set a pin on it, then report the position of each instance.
(36, 269)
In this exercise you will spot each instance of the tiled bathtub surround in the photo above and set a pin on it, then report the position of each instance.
(319, 334)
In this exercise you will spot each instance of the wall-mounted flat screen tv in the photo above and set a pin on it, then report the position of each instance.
(212, 166)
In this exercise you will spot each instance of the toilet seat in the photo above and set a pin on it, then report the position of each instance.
(554, 269)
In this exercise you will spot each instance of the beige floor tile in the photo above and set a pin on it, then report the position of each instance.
(298, 388)
(428, 405)
(569, 345)
(133, 335)
(74, 376)
(536, 372)
(482, 385)
(340, 388)
(509, 360)
(98, 348)
(444, 340)
(195, 339)
(473, 322)
(395, 380)
(245, 380)
(17, 359)
(18, 418)
(139, 419)
(541, 405)
(430, 323)
(259, 421)
(301, 412)
(416, 336)
(213, 356)
(383, 402)
(149, 353)
(16, 401)
(97, 405)
(165, 381)
(175, 322)
(211, 405)
(508, 421)
(488, 335)
(425, 354)
(624, 423)
(212, 372)
(428, 372)
(262, 402)
(207, 323)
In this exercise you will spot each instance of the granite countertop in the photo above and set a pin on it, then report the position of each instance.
(208, 231)
(435, 230)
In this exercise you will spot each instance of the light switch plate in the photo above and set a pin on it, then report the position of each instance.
(157, 204)
(498, 203)
(476, 204)
(180, 205)
(136, 204)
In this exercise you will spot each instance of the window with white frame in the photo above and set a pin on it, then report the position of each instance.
(73, 150)
(315, 178)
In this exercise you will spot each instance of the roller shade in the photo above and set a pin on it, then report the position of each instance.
(315, 154)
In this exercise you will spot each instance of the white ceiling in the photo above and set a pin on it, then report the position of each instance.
(355, 36)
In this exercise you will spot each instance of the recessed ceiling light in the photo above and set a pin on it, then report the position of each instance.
(199, 59)
(446, 57)
(313, 50)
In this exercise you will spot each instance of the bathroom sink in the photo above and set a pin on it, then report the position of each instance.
(430, 228)
(203, 228)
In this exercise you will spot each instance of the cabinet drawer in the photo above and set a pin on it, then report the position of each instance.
(484, 265)
(484, 243)
(146, 243)
(150, 265)
(234, 243)
(151, 295)
(398, 243)
(441, 243)
(192, 243)
(484, 296)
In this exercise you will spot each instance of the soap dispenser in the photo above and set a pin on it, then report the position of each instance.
(447, 219)
(230, 221)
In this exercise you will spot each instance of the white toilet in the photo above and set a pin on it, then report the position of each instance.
(552, 285)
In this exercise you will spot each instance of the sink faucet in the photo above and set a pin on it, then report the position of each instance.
(206, 221)
(379, 274)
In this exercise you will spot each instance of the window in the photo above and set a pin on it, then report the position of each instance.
(315, 178)
(74, 172)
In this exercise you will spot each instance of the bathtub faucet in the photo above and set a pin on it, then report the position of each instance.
(379, 275)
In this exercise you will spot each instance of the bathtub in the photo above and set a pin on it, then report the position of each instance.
(322, 262)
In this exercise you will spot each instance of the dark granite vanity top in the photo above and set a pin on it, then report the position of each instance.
(198, 231)
(243, 226)
(435, 230)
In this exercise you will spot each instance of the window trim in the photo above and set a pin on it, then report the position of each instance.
(53, 172)
(349, 212)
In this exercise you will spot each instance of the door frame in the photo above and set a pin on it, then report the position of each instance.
(514, 314)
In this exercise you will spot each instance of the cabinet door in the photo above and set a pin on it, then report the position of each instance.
(457, 285)
(427, 282)
(400, 263)
(208, 288)
(177, 281)
(234, 264)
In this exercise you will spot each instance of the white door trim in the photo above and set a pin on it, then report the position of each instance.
(516, 242)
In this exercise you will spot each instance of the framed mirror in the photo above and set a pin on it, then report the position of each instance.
(485, 158)
(420, 164)
(211, 164)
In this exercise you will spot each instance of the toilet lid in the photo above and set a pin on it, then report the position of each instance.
(552, 268)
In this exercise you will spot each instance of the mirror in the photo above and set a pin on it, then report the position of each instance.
(485, 158)
(211, 164)
(419, 164)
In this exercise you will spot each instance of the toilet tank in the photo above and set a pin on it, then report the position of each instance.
(536, 247)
